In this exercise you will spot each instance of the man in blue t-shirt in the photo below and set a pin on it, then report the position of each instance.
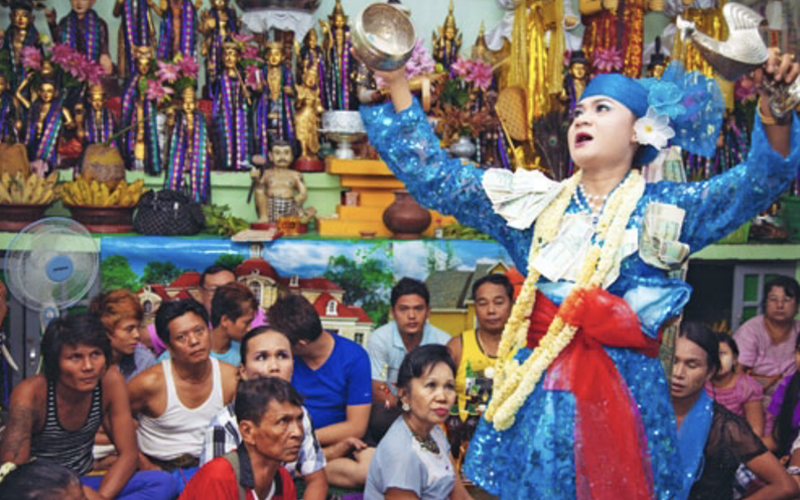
(333, 375)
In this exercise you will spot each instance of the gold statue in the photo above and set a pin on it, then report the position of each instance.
(98, 125)
(339, 64)
(307, 122)
(576, 81)
(216, 25)
(279, 192)
(447, 41)
(45, 114)
(135, 29)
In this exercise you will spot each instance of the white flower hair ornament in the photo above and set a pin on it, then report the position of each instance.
(653, 129)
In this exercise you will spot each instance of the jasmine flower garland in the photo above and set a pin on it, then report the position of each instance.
(514, 382)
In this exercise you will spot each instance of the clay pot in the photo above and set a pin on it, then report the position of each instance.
(406, 218)
(103, 164)
(16, 217)
(111, 219)
(15, 159)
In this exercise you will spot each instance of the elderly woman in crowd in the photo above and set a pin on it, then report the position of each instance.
(413, 459)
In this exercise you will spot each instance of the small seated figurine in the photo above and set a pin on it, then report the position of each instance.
(279, 192)
(576, 79)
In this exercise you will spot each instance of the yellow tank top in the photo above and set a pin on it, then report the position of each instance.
(472, 354)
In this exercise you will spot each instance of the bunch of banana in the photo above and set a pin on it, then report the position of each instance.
(84, 193)
(31, 190)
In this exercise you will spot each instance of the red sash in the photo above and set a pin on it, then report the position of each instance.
(610, 445)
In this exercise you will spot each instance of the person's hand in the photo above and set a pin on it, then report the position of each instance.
(106, 64)
(781, 68)
(355, 444)
(92, 494)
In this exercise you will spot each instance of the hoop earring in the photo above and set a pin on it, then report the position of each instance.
(406, 408)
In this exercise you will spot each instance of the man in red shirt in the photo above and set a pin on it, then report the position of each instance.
(270, 415)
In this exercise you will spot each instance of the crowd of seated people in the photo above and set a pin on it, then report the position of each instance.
(246, 405)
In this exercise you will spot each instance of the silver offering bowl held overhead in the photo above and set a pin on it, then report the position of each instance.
(344, 128)
(744, 51)
(383, 37)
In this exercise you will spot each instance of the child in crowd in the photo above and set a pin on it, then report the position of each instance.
(734, 390)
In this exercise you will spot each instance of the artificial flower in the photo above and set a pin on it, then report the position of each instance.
(156, 91)
(242, 38)
(461, 67)
(421, 62)
(188, 66)
(481, 75)
(62, 54)
(666, 97)
(608, 60)
(31, 58)
(167, 72)
(653, 129)
(250, 51)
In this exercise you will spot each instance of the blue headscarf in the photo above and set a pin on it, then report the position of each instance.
(692, 101)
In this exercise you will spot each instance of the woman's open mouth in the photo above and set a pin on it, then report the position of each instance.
(582, 138)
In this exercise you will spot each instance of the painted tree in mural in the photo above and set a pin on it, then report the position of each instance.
(366, 283)
(229, 260)
(160, 273)
(117, 273)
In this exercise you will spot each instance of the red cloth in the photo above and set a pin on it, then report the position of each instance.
(216, 481)
(610, 445)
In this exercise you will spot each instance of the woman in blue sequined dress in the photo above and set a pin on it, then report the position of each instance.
(598, 423)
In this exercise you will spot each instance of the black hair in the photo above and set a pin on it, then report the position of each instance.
(244, 347)
(230, 300)
(724, 338)
(175, 309)
(783, 431)
(702, 335)
(253, 397)
(790, 287)
(410, 286)
(420, 361)
(38, 481)
(295, 315)
(73, 330)
(215, 269)
(495, 279)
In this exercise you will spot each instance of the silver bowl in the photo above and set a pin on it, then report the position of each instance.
(383, 37)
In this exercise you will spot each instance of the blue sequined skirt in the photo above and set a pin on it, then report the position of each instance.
(535, 459)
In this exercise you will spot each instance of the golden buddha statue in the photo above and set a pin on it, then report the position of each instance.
(307, 121)
(447, 40)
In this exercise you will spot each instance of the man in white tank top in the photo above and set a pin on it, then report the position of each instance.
(176, 399)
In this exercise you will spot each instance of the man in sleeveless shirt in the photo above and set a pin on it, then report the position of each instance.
(176, 399)
(474, 351)
(54, 416)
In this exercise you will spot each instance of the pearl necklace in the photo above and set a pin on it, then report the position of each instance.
(595, 203)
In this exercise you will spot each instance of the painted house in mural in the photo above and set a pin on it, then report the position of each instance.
(267, 285)
(452, 307)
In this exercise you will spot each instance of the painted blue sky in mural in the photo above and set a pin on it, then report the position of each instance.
(308, 258)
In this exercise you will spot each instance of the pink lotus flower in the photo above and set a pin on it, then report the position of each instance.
(421, 62)
(250, 52)
(608, 60)
(189, 67)
(242, 38)
(481, 75)
(31, 58)
(167, 72)
(62, 53)
(156, 91)
(92, 72)
(461, 67)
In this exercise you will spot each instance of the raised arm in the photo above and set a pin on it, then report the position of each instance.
(406, 142)
(719, 205)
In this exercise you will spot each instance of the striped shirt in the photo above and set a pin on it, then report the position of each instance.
(71, 449)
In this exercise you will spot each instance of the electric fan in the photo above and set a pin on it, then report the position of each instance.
(51, 264)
